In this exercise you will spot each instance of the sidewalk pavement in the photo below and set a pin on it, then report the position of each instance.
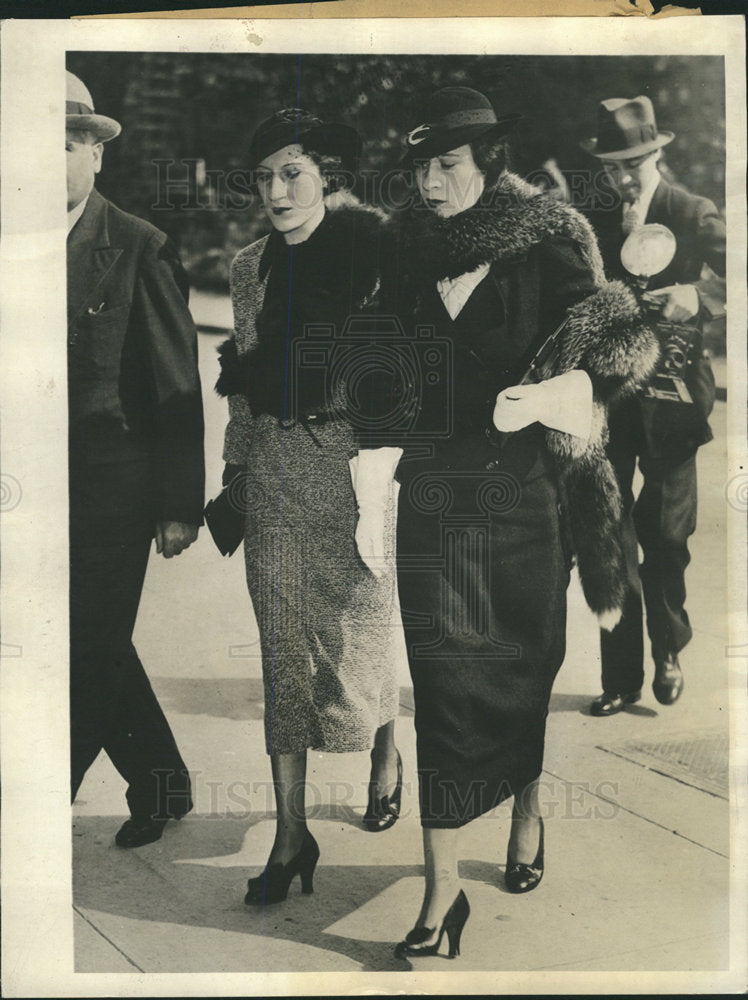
(637, 828)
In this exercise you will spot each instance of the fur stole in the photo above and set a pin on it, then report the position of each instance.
(505, 223)
(331, 275)
(605, 335)
(340, 259)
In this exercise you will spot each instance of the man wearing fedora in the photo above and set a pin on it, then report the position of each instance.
(662, 434)
(135, 470)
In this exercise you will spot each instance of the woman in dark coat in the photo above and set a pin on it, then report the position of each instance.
(328, 627)
(500, 481)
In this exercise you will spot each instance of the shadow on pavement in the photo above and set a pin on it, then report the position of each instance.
(642, 711)
(485, 871)
(581, 703)
(570, 702)
(237, 698)
(195, 876)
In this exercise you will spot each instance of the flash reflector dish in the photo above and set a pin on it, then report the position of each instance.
(648, 250)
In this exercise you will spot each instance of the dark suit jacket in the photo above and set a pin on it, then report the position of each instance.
(671, 429)
(698, 228)
(133, 384)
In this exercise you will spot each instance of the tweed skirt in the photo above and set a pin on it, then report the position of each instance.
(330, 631)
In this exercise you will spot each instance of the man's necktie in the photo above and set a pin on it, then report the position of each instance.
(631, 220)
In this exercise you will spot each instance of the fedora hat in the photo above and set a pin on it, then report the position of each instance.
(453, 117)
(626, 129)
(79, 111)
(294, 125)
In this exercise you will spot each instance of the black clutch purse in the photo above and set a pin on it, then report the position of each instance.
(225, 520)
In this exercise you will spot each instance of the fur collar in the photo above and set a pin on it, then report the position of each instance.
(233, 377)
(320, 281)
(503, 226)
(343, 252)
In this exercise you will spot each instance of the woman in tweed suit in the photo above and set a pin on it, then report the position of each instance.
(328, 627)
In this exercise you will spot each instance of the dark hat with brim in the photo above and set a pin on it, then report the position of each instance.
(626, 129)
(79, 112)
(454, 116)
(293, 126)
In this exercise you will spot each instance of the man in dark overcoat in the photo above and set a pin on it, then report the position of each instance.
(663, 434)
(136, 471)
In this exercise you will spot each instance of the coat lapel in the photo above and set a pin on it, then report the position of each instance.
(659, 205)
(89, 257)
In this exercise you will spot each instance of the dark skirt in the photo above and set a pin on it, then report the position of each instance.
(482, 576)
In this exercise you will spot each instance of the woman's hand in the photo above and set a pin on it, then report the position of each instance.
(563, 403)
(370, 539)
(517, 407)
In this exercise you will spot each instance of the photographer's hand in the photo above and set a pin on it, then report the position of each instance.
(678, 303)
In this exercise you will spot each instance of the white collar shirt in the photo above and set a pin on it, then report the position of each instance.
(642, 203)
(456, 291)
(75, 213)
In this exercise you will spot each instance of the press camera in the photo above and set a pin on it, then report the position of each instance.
(646, 252)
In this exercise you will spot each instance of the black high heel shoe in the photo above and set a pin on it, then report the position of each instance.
(522, 878)
(453, 923)
(272, 885)
(382, 813)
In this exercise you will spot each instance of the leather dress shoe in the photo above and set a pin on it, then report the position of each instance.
(140, 830)
(668, 680)
(611, 704)
(137, 831)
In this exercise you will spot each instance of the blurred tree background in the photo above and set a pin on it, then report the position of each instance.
(187, 120)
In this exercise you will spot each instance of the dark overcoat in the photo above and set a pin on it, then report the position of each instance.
(133, 384)
(673, 431)
(136, 458)
(535, 244)
(483, 557)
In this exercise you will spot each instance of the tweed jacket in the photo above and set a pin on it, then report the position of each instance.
(531, 242)
(133, 383)
(341, 279)
(247, 293)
